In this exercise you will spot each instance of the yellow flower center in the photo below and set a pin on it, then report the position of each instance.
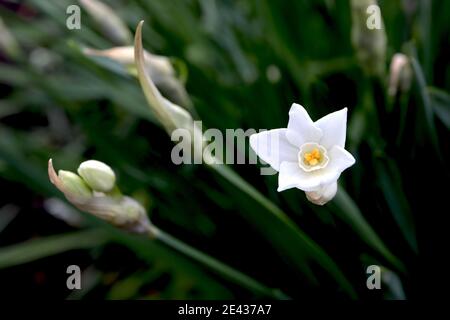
(312, 158)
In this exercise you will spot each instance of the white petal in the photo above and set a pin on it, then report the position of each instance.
(340, 159)
(301, 128)
(273, 147)
(334, 127)
(292, 176)
(323, 195)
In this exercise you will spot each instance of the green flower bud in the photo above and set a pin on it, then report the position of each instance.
(74, 186)
(97, 175)
(121, 211)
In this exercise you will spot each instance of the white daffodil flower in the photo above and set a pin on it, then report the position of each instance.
(308, 155)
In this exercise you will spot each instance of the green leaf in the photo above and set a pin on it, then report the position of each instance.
(440, 100)
(284, 234)
(20, 168)
(7, 214)
(390, 184)
(349, 212)
(40, 248)
(427, 106)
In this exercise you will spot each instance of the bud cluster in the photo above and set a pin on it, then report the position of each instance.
(94, 190)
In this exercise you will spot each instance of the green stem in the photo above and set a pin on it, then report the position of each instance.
(216, 265)
(315, 251)
(350, 214)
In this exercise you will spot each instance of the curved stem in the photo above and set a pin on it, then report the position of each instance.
(312, 248)
(215, 265)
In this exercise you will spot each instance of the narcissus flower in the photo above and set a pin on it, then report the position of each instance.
(308, 155)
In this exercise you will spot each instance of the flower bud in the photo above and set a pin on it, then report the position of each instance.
(110, 23)
(370, 44)
(169, 114)
(159, 68)
(400, 74)
(97, 175)
(8, 43)
(121, 211)
(323, 195)
(74, 186)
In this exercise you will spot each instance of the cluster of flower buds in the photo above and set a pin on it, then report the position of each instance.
(94, 190)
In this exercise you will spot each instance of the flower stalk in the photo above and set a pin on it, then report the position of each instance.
(126, 213)
(173, 117)
(215, 265)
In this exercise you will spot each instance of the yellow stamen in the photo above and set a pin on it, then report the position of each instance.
(312, 158)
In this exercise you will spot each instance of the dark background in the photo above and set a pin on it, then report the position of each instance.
(56, 102)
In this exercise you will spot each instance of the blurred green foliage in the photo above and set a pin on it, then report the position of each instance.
(245, 63)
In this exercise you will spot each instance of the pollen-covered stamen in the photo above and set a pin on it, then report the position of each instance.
(312, 156)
